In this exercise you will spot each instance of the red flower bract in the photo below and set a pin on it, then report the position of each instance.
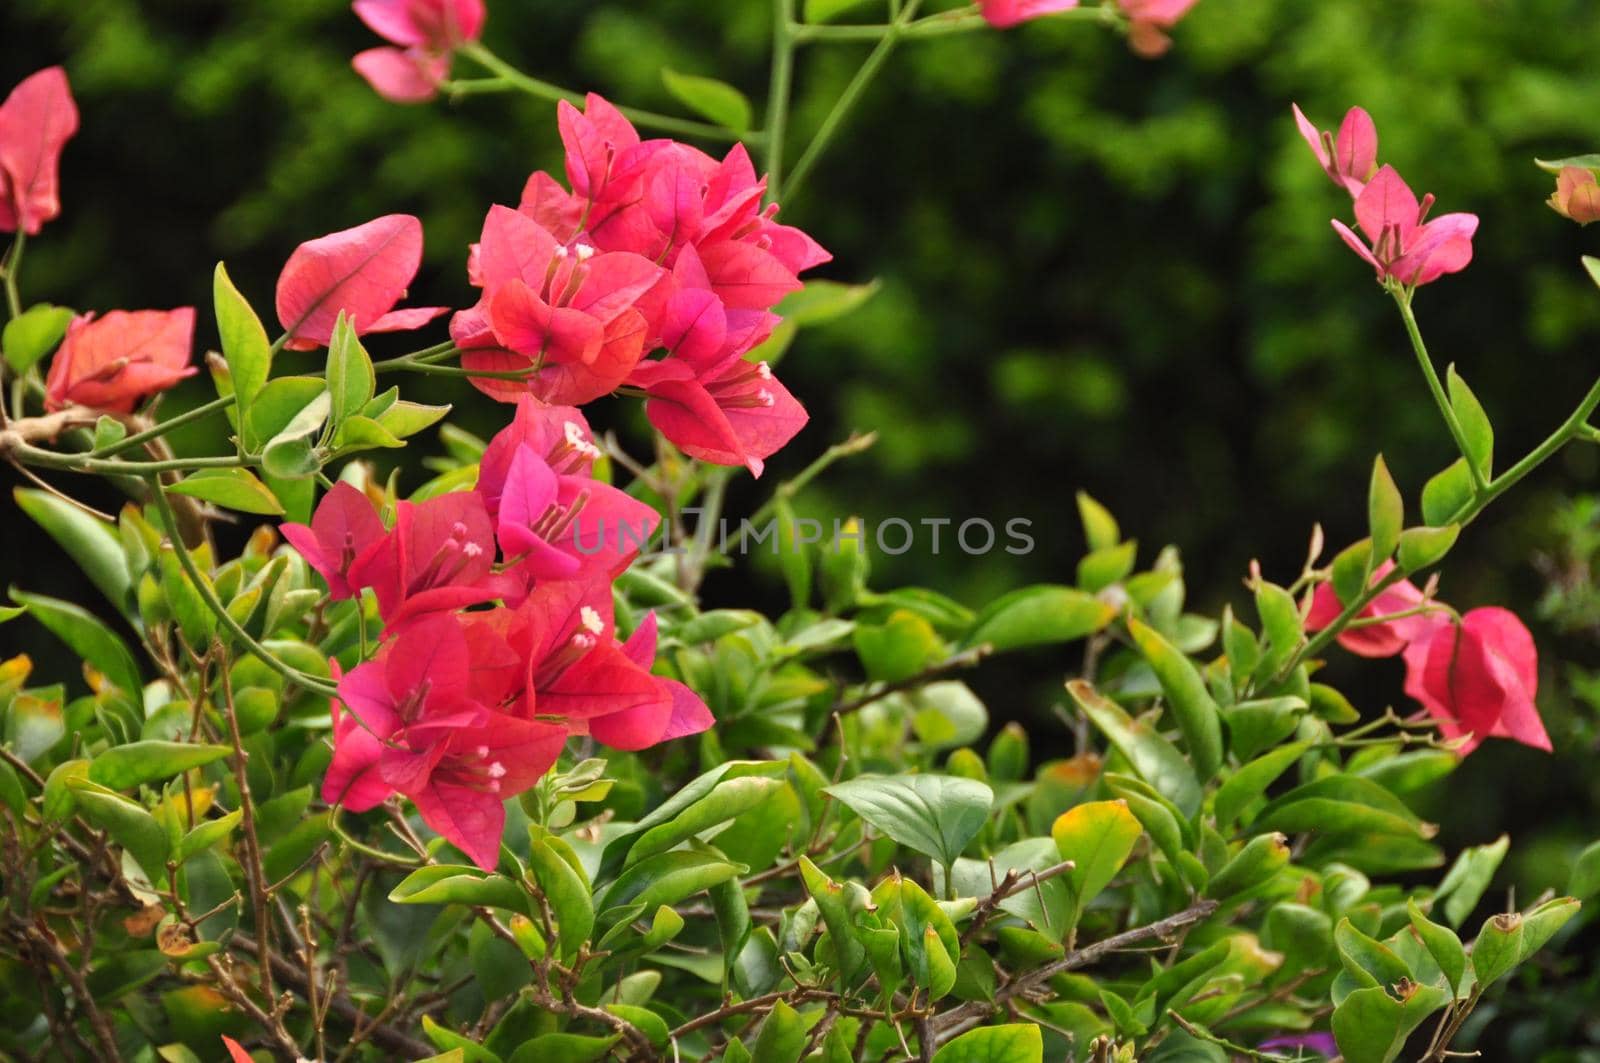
(1405, 247)
(1350, 157)
(344, 528)
(1479, 678)
(1373, 639)
(363, 272)
(1003, 14)
(110, 363)
(426, 32)
(36, 121)
(438, 556)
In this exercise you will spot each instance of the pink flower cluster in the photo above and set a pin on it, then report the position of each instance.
(423, 34)
(467, 703)
(1401, 244)
(1477, 675)
(657, 247)
(1148, 20)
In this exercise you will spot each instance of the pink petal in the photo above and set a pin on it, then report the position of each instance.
(1387, 201)
(612, 283)
(111, 362)
(641, 645)
(36, 121)
(1354, 243)
(514, 247)
(553, 207)
(746, 277)
(407, 319)
(469, 819)
(362, 271)
(402, 75)
(236, 1051)
(1357, 145)
(1311, 135)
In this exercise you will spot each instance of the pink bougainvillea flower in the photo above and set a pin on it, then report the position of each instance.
(576, 673)
(1478, 679)
(363, 272)
(426, 33)
(36, 121)
(1404, 247)
(559, 434)
(344, 527)
(417, 724)
(565, 313)
(438, 556)
(1350, 157)
(1374, 640)
(1577, 195)
(110, 363)
(1003, 14)
(689, 714)
(1149, 21)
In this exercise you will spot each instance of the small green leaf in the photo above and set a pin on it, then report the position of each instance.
(1351, 569)
(129, 825)
(1447, 494)
(899, 648)
(124, 767)
(1006, 1043)
(291, 454)
(666, 878)
(1099, 526)
(244, 340)
(1097, 837)
(730, 798)
(86, 636)
(1188, 699)
(1282, 625)
(1386, 511)
(821, 301)
(1464, 884)
(1498, 948)
(1592, 266)
(1037, 616)
(230, 488)
(453, 884)
(1099, 569)
(276, 405)
(1582, 162)
(715, 100)
(1371, 1025)
(1475, 428)
(34, 333)
(937, 815)
(566, 891)
(405, 419)
(1424, 546)
(782, 1037)
(351, 381)
(1261, 858)
(1441, 943)
(91, 543)
(1584, 881)
(1155, 759)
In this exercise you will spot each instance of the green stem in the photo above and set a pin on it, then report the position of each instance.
(789, 488)
(50, 459)
(164, 427)
(544, 90)
(9, 274)
(778, 93)
(208, 594)
(842, 107)
(429, 369)
(1402, 299)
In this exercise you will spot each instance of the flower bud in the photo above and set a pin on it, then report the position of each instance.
(1577, 195)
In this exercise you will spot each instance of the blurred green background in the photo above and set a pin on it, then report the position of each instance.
(1097, 272)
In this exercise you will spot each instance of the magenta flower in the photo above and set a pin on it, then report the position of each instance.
(425, 32)
(1149, 21)
(1374, 640)
(1404, 246)
(1478, 679)
(565, 312)
(112, 362)
(423, 720)
(36, 121)
(688, 714)
(1003, 14)
(363, 272)
(344, 527)
(559, 434)
(1349, 158)
(438, 556)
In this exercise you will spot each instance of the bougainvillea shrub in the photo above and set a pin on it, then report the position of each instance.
(450, 761)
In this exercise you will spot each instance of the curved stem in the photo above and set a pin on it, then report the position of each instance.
(778, 93)
(50, 459)
(512, 78)
(159, 430)
(9, 274)
(842, 107)
(1402, 299)
(208, 594)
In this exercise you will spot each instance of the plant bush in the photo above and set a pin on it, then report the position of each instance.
(453, 764)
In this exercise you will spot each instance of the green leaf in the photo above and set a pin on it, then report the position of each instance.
(1584, 881)
(820, 302)
(1282, 625)
(129, 825)
(667, 878)
(1342, 804)
(456, 884)
(1424, 546)
(230, 488)
(1100, 529)
(1037, 616)
(1188, 699)
(405, 419)
(782, 1037)
(1155, 759)
(1498, 948)
(1099, 569)
(86, 636)
(617, 850)
(91, 543)
(447, 1040)
(291, 454)
(834, 902)
(1386, 511)
(195, 618)
(1592, 266)
(1350, 570)
(363, 433)
(1475, 428)
(1541, 924)
(1006, 1043)
(715, 100)
(730, 798)
(1371, 1026)
(928, 938)
(244, 340)
(1369, 961)
(124, 767)
(207, 834)
(899, 648)
(1097, 837)
(937, 815)
(566, 891)
(1583, 162)
(350, 376)
(1441, 943)
(1464, 884)
(34, 724)
(1261, 858)
(277, 404)
(34, 333)
(1447, 494)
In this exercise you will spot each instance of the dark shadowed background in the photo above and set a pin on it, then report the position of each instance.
(1097, 272)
